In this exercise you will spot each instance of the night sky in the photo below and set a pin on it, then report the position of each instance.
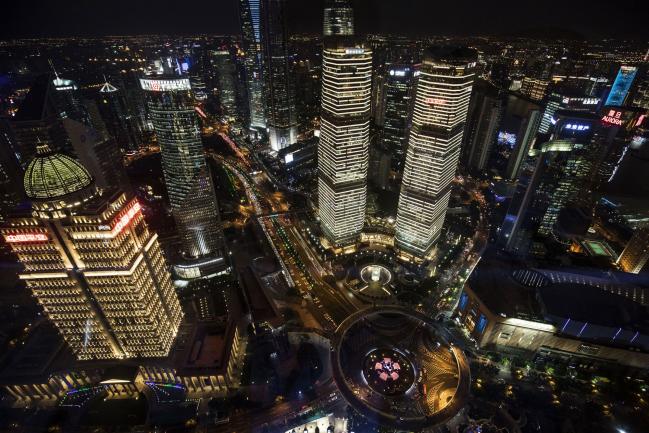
(590, 18)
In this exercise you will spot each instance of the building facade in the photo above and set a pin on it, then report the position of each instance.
(251, 30)
(343, 152)
(483, 123)
(92, 263)
(281, 117)
(187, 176)
(635, 256)
(397, 106)
(440, 110)
(121, 123)
(338, 18)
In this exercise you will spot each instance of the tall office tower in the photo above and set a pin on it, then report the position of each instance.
(523, 117)
(441, 104)
(187, 175)
(635, 256)
(560, 176)
(567, 98)
(483, 123)
(281, 117)
(54, 113)
(121, 124)
(38, 121)
(338, 18)
(399, 92)
(11, 190)
(226, 74)
(534, 89)
(250, 17)
(98, 152)
(92, 263)
(621, 86)
(343, 151)
(68, 100)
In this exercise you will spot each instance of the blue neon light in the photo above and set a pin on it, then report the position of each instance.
(621, 85)
(463, 301)
(482, 323)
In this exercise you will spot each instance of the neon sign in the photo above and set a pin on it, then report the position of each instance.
(29, 237)
(435, 101)
(165, 85)
(126, 218)
(614, 117)
(577, 127)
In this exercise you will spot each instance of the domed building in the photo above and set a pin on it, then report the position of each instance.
(85, 252)
(54, 181)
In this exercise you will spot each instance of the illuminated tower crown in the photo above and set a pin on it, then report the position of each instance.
(55, 182)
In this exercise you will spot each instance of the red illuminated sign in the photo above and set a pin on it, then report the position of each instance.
(613, 117)
(27, 237)
(435, 101)
(200, 112)
(126, 218)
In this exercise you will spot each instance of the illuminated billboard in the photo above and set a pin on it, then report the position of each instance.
(621, 85)
(613, 117)
(165, 85)
(26, 237)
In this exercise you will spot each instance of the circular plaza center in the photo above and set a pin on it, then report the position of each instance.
(396, 367)
(388, 372)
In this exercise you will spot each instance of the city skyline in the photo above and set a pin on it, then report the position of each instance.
(338, 216)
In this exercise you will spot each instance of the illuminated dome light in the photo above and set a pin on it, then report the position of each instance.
(55, 181)
(107, 88)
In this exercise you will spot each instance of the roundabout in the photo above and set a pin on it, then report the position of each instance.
(396, 368)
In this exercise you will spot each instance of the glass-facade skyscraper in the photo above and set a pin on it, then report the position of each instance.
(440, 111)
(398, 91)
(338, 18)
(187, 175)
(251, 30)
(281, 117)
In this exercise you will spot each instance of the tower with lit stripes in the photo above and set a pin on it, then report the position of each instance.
(441, 104)
(92, 263)
(343, 151)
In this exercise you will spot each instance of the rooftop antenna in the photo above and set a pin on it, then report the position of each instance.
(53, 68)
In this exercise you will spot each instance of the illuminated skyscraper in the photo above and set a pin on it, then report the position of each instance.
(560, 176)
(635, 256)
(93, 264)
(187, 176)
(441, 104)
(338, 18)
(251, 29)
(281, 117)
(343, 152)
(227, 75)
